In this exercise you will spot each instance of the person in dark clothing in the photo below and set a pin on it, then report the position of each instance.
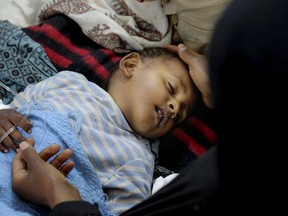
(248, 65)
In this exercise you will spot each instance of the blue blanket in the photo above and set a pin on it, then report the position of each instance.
(53, 128)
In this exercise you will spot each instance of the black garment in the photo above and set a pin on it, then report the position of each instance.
(248, 63)
(190, 194)
(75, 208)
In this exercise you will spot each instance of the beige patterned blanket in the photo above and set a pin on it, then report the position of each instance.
(119, 25)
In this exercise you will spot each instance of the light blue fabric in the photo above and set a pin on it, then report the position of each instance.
(53, 128)
(122, 158)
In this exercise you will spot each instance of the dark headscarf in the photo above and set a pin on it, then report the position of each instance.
(248, 61)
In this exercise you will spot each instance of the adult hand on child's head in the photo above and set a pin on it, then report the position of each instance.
(198, 70)
(40, 182)
(9, 119)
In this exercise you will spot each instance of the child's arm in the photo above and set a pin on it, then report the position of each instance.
(38, 91)
(32, 92)
(10, 118)
(130, 185)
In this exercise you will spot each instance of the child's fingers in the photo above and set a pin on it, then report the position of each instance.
(25, 124)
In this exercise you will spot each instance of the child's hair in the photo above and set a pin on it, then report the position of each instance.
(157, 54)
(150, 56)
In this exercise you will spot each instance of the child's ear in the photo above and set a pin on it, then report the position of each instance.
(129, 63)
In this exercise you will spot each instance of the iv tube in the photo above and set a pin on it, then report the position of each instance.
(23, 119)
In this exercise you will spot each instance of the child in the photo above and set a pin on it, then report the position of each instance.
(149, 94)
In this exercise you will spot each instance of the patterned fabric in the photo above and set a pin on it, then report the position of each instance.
(22, 61)
(70, 49)
(119, 25)
(123, 160)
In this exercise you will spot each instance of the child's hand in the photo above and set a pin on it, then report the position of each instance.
(9, 119)
(40, 182)
(198, 70)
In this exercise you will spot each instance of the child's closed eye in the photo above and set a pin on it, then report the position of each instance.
(171, 89)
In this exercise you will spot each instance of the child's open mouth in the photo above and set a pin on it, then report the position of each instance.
(162, 116)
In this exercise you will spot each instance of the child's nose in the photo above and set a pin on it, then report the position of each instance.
(174, 108)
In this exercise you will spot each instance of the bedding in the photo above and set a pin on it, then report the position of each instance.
(193, 21)
(22, 60)
(54, 128)
(69, 48)
(58, 43)
(117, 25)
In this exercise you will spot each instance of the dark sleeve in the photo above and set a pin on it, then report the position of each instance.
(75, 208)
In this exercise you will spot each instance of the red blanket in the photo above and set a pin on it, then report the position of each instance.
(69, 49)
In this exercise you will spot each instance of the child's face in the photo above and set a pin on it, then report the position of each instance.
(157, 97)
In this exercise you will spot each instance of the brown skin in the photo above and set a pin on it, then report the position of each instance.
(9, 118)
(153, 96)
(37, 188)
(40, 182)
(198, 70)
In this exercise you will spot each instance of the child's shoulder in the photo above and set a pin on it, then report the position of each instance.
(70, 75)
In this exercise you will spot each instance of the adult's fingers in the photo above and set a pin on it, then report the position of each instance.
(188, 56)
(66, 168)
(172, 48)
(18, 165)
(49, 152)
(60, 161)
(181, 48)
(198, 70)
(29, 154)
(62, 158)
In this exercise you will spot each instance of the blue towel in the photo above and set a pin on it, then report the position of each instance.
(51, 127)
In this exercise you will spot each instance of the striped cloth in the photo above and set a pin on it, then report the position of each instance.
(70, 49)
(122, 159)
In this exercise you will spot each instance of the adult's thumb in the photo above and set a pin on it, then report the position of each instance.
(186, 54)
(28, 152)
